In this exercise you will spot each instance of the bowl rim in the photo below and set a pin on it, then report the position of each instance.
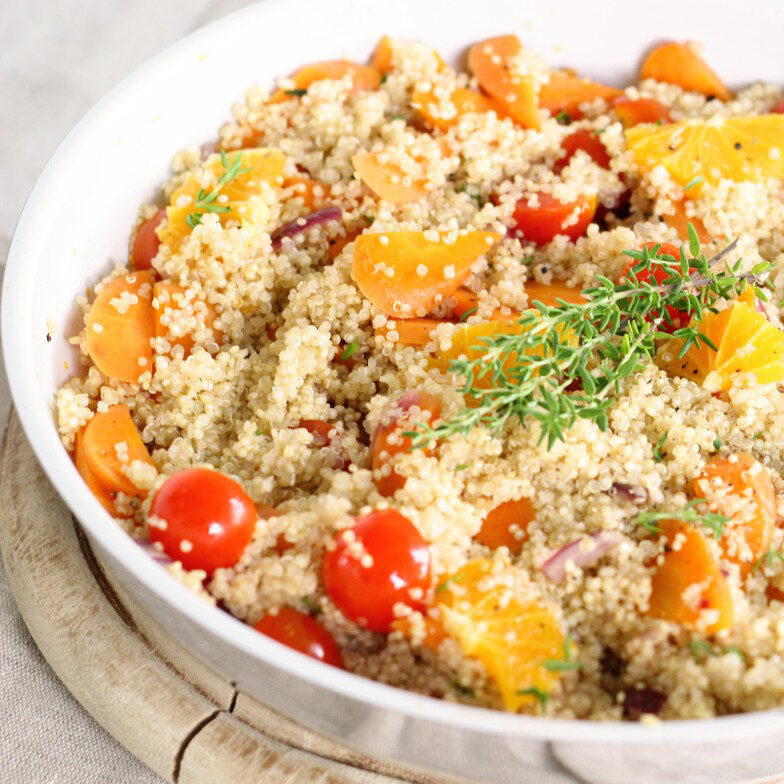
(56, 463)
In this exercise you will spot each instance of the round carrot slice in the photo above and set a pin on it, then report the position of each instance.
(96, 488)
(364, 77)
(505, 526)
(120, 325)
(112, 442)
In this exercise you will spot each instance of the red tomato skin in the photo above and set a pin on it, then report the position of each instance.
(146, 243)
(586, 140)
(209, 511)
(302, 633)
(401, 562)
(540, 224)
(678, 318)
(778, 108)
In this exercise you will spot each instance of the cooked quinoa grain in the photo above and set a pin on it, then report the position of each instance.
(271, 359)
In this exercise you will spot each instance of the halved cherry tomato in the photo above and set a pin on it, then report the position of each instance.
(325, 434)
(633, 112)
(204, 519)
(778, 108)
(388, 440)
(381, 561)
(659, 273)
(146, 243)
(586, 140)
(541, 223)
(302, 633)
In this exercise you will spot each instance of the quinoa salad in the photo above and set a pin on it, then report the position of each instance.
(466, 379)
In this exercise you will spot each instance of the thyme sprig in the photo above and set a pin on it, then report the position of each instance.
(206, 202)
(530, 371)
(688, 514)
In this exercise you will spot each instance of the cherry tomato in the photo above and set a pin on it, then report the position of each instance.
(659, 273)
(632, 111)
(388, 440)
(371, 567)
(325, 434)
(208, 519)
(302, 633)
(586, 140)
(541, 223)
(146, 243)
(778, 108)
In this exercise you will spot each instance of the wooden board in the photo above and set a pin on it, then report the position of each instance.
(177, 716)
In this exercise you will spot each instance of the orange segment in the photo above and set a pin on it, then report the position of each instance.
(738, 487)
(505, 526)
(491, 61)
(744, 149)
(241, 193)
(747, 343)
(96, 488)
(120, 325)
(679, 64)
(512, 640)
(111, 441)
(314, 194)
(407, 273)
(173, 304)
(688, 587)
(364, 77)
(564, 91)
(386, 179)
(444, 114)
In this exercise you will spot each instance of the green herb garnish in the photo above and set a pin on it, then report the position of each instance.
(700, 649)
(313, 608)
(596, 345)
(468, 314)
(534, 691)
(563, 118)
(296, 93)
(461, 467)
(717, 444)
(466, 690)
(206, 201)
(350, 349)
(769, 558)
(687, 514)
(692, 183)
(383, 79)
(657, 455)
(455, 578)
(567, 663)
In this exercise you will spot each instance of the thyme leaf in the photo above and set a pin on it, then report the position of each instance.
(206, 202)
(687, 514)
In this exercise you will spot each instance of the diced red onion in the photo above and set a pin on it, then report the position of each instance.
(632, 493)
(554, 568)
(760, 306)
(207, 149)
(406, 401)
(157, 555)
(301, 225)
(639, 701)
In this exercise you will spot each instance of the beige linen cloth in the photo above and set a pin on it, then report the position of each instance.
(57, 58)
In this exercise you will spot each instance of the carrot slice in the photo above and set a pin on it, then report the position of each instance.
(550, 217)
(120, 325)
(170, 299)
(387, 180)
(313, 194)
(364, 77)
(466, 301)
(443, 115)
(490, 62)
(679, 64)
(688, 582)
(411, 332)
(96, 488)
(740, 488)
(635, 111)
(389, 441)
(336, 245)
(382, 56)
(505, 526)
(565, 91)
(407, 273)
(678, 221)
(111, 441)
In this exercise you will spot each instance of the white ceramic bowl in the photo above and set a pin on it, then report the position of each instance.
(76, 224)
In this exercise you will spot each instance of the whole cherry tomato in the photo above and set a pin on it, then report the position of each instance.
(202, 518)
(659, 273)
(302, 633)
(371, 567)
(146, 243)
